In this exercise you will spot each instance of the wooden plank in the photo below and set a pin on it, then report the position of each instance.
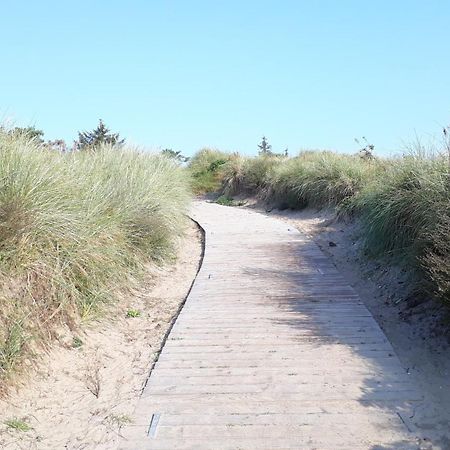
(273, 350)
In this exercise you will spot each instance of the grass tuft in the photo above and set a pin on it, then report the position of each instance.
(76, 342)
(17, 424)
(206, 168)
(133, 313)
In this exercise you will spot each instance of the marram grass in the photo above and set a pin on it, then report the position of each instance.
(73, 228)
(205, 169)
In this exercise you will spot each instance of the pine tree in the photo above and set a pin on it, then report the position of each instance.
(101, 135)
(264, 147)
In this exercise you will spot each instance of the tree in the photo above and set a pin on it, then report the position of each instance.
(176, 155)
(37, 136)
(31, 133)
(264, 147)
(98, 136)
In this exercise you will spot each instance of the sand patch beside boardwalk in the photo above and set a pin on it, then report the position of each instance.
(81, 396)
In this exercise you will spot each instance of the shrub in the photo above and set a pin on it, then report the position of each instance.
(225, 201)
(205, 168)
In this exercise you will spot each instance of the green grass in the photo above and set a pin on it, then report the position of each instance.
(133, 313)
(318, 179)
(205, 168)
(396, 208)
(248, 175)
(76, 342)
(17, 424)
(14, 339)
(73, 229)
(224, 200)
(406, 215)
(119, 420)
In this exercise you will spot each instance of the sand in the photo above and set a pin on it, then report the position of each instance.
(80, 397)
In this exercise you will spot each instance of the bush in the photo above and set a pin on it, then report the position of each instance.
(72, 228)
(205, 168)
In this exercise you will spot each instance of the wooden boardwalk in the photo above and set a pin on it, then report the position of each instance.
(272, 350)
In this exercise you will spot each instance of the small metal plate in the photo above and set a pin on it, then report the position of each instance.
(153, 425)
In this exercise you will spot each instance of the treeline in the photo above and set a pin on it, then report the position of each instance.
(86, 139)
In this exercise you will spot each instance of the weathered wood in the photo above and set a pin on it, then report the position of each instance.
(272, 350)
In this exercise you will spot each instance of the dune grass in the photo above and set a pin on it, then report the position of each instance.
(247, 175)
(406, 214)
(205, 168)
(73, 229)
(319, 178)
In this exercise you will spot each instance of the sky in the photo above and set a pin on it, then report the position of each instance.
(187, 74)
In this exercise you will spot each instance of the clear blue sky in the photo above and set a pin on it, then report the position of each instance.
(185, 73)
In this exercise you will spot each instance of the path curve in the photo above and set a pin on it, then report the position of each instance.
(272, 350)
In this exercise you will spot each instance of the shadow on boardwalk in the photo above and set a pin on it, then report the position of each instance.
(330, 316)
